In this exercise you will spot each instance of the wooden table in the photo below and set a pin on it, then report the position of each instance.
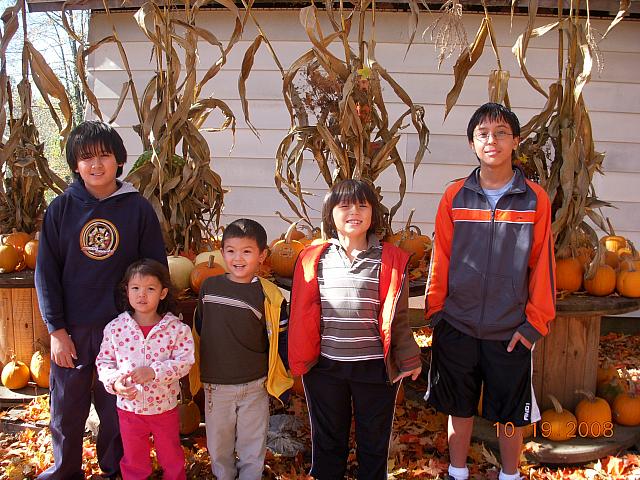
(567, 358)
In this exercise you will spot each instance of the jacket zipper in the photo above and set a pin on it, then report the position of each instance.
(486, 277)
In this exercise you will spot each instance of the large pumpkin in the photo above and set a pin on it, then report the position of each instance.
(558, 424)
(16, 239)
(9, 258)
(15, 374)
(602, 283)
(284, 254)
(180, 271)
(569, 273)
(40, 367)
(202, 271)
(626, 409)
(593, 414)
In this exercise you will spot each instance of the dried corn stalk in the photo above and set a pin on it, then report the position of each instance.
(558, 142)
(351, 136)
(447, 31)
(26, 172)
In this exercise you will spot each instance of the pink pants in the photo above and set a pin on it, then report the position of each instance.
(135, 430)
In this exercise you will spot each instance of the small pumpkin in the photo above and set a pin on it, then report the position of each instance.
(203, 257)
(613, 242)
(603, 281)
(628, 283)
(9, 258)
(594, 412)
(15, 374)
(202, 271)
(31, 253)
(411, 240)
(40, 366)
(562, 423)
(569, 273)
(284, 254)
(189, 415)
(180, 271)
(626, 409)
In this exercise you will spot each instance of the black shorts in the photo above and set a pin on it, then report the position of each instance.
(462, 366)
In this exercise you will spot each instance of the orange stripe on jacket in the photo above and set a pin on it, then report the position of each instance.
(515, 216)
(470, 215)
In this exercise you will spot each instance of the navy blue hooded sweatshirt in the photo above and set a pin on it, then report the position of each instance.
(85, 247)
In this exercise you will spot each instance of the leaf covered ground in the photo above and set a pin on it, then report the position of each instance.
(418, 448)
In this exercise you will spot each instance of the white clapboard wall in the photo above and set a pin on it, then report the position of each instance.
(613, 98)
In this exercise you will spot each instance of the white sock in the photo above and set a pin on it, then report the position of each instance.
(459, 473)
(505, 476)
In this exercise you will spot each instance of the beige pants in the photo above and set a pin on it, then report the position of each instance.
(237, 419)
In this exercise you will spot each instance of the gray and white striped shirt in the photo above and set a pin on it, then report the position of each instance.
(350, 302)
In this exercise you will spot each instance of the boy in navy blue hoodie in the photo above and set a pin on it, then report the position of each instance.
(90, 235)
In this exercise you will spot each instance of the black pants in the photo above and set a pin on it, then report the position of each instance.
(331, 401)
(71, 392)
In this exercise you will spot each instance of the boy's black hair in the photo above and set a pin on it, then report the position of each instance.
(91, 137)
(151, 268)
(493, 112)
(246, 228)
(350, 191)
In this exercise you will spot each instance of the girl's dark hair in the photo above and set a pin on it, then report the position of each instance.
(148, 268)
(350, 191)
(246, 228)
(92, 137)
(493, 112)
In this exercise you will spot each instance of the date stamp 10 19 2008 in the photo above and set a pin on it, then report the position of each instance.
(545, 429)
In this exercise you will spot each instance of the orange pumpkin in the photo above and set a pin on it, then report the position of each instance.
(202, 271)
(15, 374)
(611, 259)
(569, 273)
(626, 409)
(613, 243)
(31, 254)
(594, 412)
(40, 367)
(602, 283)
(411, 240)
(560, 423)
(203, 257)
(284, 254)
(628, 283)
(9, 258)
(16, 239)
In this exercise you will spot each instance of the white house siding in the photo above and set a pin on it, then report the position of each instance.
(613, 98)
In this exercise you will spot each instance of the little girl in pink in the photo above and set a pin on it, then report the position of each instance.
(144, 353)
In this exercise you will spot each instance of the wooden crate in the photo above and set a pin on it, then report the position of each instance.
(21, 325)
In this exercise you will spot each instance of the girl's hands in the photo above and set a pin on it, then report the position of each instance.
(413, 373)
(142, 375)
(124, 388)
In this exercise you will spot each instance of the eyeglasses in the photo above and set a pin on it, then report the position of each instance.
(484, 136)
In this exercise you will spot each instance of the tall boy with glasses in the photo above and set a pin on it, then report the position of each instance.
(490, 293)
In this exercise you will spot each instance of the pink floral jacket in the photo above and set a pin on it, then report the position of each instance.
(168, 350)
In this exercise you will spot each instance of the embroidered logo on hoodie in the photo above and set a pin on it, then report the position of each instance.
(99, 239)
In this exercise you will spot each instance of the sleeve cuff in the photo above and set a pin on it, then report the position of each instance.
(530, 333)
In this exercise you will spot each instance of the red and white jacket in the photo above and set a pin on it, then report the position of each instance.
(401, 353)
(168, 350)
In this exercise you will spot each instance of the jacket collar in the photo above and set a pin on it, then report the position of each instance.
(519, 184)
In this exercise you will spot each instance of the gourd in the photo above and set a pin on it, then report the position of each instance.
(180, 271)
(562, 423)
(202, 271)
(15, 374)
(284, 254)
(594, 412)
(40, 366)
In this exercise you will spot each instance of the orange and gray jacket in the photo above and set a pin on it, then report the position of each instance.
(492, 272)
(401, 353)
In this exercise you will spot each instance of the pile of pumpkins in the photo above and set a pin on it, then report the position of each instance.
(595, 414)
(18, 250)
(16, 374)
(614, 266)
